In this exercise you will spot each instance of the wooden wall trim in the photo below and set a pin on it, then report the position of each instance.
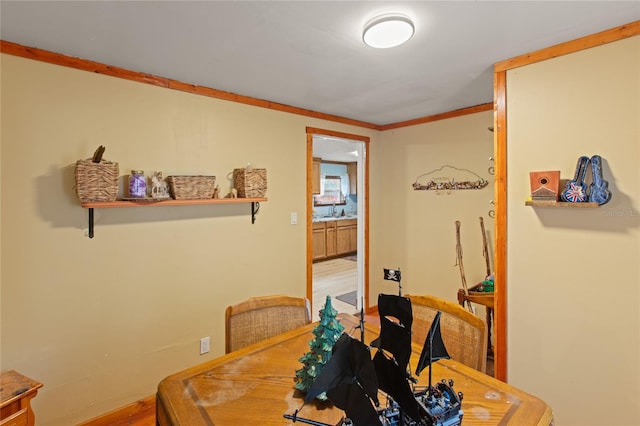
(500, 224)
(80, 64)
(443, 116)
(365, 261)
(112, 71)
(218, 94)
(138, 412)
(500, 154)
(343, 135)
(309, 216)
(99, 68)
(608, 36)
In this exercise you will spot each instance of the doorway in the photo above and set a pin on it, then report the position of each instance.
(337, 220)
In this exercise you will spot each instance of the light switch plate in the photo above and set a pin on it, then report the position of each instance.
(204, 345)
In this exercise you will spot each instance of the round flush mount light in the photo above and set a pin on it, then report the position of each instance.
(388, 30)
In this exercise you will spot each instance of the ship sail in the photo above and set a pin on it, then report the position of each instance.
(393, 380)
(350, 381)
(396, 319)
(433, 348)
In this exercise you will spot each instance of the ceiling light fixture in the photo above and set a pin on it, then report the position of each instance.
(388, 30)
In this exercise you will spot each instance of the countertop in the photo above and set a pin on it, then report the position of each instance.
(330, 218)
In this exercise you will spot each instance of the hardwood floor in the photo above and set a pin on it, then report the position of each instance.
(333, 277)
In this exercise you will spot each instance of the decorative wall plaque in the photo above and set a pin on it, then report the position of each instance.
(449, 178)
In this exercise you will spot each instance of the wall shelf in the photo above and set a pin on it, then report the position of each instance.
(560, 204)
(255, 205)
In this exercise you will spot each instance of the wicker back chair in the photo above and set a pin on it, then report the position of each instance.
(262, 317)
(463, 333)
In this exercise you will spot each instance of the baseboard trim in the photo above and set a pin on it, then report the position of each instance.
(372, 310)
(144, 408)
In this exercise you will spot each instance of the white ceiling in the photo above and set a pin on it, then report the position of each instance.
(335, 149)
(309, 54)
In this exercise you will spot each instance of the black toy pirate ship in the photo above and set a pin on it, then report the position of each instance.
(351, 378)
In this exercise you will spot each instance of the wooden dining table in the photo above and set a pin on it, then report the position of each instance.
(255, 385)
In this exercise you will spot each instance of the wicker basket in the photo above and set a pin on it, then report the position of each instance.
(96, 181)
(250, 183)
(191, 187)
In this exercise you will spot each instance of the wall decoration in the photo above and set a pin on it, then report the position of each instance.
(449, 178)
(545, 185)
(159, 187)
(576, 189)
(598, 191)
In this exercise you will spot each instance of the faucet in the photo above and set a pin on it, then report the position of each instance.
(333, 209)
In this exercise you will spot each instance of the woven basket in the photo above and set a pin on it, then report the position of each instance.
(191, 187)
(250, 183)
(96, 181)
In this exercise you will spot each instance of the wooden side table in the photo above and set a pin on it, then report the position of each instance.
(16, 393)
(485, 299)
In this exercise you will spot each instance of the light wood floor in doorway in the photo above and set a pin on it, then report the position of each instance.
(333, 277)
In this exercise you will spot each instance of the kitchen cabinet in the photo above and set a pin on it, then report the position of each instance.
(334, 238)
(352, 171)
(347, 236)
(319, 240)
(331, 248)
(315, 175)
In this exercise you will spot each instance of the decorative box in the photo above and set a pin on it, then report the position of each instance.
(250, 183)
(96, 181)
(545, 185)
(191, 187)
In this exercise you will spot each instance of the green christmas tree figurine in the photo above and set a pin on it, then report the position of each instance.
(326, 335)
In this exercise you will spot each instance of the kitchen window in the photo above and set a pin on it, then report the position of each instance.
(330, 192)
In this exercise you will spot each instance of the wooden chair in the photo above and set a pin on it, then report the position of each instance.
(464, 334)
(259, 318)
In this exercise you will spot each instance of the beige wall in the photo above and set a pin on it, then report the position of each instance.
(573, 275)
(415, 230)
(101, 321)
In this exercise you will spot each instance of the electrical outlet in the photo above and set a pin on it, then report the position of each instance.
(204, 345)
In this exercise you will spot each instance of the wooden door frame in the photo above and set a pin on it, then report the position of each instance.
(309, 216)
(500, 227)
